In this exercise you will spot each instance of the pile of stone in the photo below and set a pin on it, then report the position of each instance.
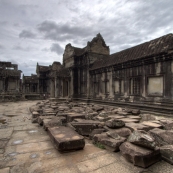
(141, 138)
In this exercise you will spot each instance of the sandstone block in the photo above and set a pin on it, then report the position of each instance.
(139, 156)
(114, 123)
(143, 139)
(66, 139)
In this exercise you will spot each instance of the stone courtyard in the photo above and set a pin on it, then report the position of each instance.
(26, 147)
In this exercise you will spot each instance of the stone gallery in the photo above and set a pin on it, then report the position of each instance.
(138, 76)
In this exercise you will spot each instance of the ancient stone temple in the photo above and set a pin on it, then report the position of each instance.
(141, 75)
(10, 82)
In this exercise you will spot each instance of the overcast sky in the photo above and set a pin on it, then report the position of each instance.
(34, 31)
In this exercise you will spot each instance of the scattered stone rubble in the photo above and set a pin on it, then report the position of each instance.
(141, 138)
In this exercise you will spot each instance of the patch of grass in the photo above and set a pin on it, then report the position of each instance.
(99, 145)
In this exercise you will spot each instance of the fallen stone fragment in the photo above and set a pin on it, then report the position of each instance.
(151, 124)
(147, 117)
(96, 131)
(98, 108)
(142, 139)
(91, 116)
(55, 121)
(102, 119)
(114, 124)
(109, 143)
(137, 126)
(139, 156)
(35, 114)
(136, 111)
(167, 153)
(123, 132)
(128, 110)
(72, 116)
(116, 116)
(167, 124)
(123, 113)
(134, 117)
(66, 139)
(129, 120)
(162, 137)
(85, 127)
(41, 118)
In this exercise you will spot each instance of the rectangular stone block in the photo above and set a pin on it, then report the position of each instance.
(66, 139)
(41, 118)
(85, 127)
(139, 156)
(72, 116)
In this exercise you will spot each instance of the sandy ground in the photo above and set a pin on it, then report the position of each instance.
(26, 148)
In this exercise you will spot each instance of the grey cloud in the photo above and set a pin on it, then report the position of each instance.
(2, 47)
(62, 32)
(56, 48)
(18, 47)
(27, 34)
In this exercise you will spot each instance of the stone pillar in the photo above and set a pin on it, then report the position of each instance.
(52, 88)
(38, 89)
(88, 83)
(110, 84)
(55, 87)
(79, 82)
(71, 82)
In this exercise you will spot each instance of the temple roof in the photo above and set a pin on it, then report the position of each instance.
(154, 47)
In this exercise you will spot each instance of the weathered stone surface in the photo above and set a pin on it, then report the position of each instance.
(128, 110)
(72, 116)
(147, 117)
(129, 120)
(167, 124)
(162, 137)
(85, 127)
(34, 120)
(136, 111)
(91, 116)
(98, 108)
(35, 114)
(116, 116)
(66, 139)
(109, 142)
(96, 131)
(102, 119)
(134, 117)
(139, 156)
(123, 113)
(143, 139)
(123, 132)
(167, 153)
(137, 126)
(41, 118)
(55, 121)
(114, 124)
(151, 124)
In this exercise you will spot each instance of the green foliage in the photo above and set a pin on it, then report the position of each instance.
(99, 145)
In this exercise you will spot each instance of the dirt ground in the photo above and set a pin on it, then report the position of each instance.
(26, 148)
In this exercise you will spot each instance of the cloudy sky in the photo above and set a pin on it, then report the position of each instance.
(34, 31)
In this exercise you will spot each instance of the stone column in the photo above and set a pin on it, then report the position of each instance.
(88, 83)
(79, 82)
(110, 84)
(71, 82)
(55, 87)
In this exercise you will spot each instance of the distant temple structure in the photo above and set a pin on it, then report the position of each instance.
(138, 76)
(10, 82)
